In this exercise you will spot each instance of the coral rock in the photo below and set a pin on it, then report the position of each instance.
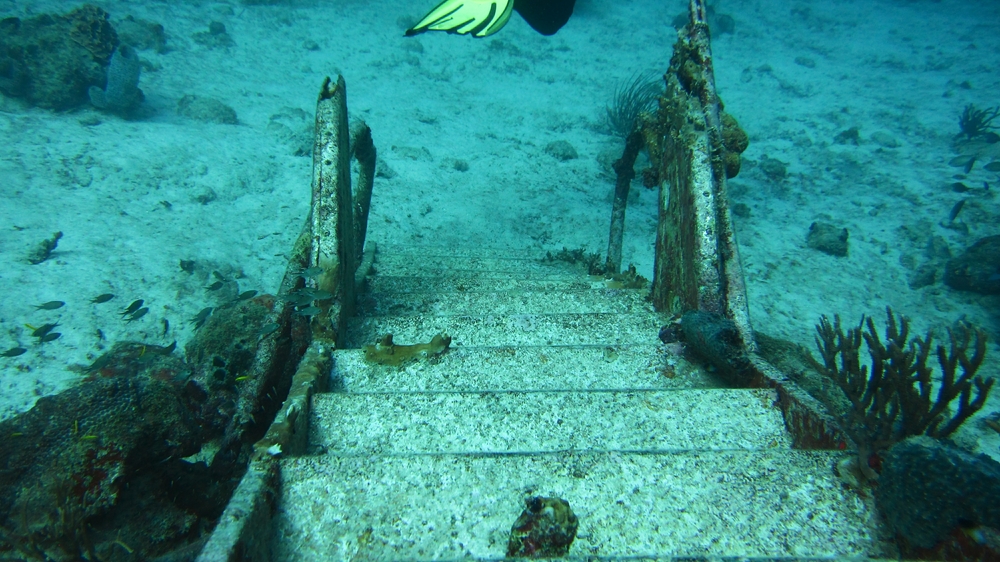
(545, 529)
(52, 60)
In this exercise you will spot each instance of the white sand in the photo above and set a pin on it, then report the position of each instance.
(887, 67)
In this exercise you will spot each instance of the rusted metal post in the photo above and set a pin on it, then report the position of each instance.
(694, 147)
(332, 215)
(697, 263)
(625, 171)
(332, 240)
(364, 150)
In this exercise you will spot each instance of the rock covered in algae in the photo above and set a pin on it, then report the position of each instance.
(735, 141)
(50, 60)
(977, 269)
(929, 487)
(545, 529)
(828, 239)
(138, 461)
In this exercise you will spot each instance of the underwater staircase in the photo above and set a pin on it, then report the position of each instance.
(556, 384)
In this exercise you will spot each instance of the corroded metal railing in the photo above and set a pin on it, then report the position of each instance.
(697, 260)
(694, 147)
(332, 242)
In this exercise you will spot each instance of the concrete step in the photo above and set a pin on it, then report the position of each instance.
(765, 503)
(419, 262)
(409, 269)
(520, 329)
(555, 384)
(511, 302)
(545, 421)
(471, 282)
(578, 367)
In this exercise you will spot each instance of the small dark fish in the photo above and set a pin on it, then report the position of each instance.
(962, 161)
(169, 349)
(247, 295)
(13, 352)
(956, 210)
(43, 330)
(986, 186)
(101, 362)
(203, 314)
(959, 187)
(311, 311)
(991, 137)
(321, 296)
(993, 166)
(138, 314)
(299, 298)
(49, 337)
(166, 326)
(51, 305)
(311, 272)
(216, 286)
(199, 319)
(102, 298)
(136, 305)
(267, 330)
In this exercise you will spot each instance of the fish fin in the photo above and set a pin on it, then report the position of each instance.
(545, 16)
(477, 17)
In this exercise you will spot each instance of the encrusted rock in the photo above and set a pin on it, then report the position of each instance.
(90, 28)
(545, 529)
(977, 269)
(561, 150)
(735, 140)
(51, 60)
(142, 34)
(828, 239)
(928, 488)
(207, 110)
(734, 137)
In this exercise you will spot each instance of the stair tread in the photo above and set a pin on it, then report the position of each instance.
(555, 384)
(597, 328)
(518, 421)
(491, 265)
(578, 301)
(445, 507)
(470, 282)
(525, 367)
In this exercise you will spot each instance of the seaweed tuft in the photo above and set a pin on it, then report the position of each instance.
(632, 98)
(975, 122)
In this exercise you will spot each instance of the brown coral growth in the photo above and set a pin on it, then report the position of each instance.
(891, 398)
(90, 29)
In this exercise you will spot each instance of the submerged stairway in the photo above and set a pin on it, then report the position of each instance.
(555, 385)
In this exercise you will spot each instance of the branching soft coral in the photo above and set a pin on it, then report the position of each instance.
(890, 399)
